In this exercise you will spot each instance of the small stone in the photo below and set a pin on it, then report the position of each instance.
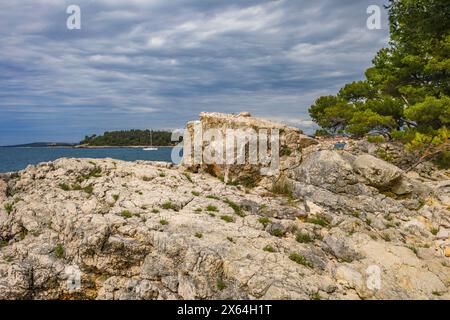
(443, 234)
(447, 251)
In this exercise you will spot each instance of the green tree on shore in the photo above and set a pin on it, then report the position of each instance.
(406, 93)
(130, 138)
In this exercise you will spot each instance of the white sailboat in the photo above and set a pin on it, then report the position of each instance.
(151, 148)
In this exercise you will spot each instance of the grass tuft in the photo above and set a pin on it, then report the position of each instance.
(264, 221)
(167, 205)
(227, 218)
(8, 207)
(236, 208)
(89, 189)
(59, 251)
(303, 237)
(221, 285)
(188, 176)
(318, 221)
(211, 208)
(277, 233)
(300, 259)
(126, 214)
(283, 188)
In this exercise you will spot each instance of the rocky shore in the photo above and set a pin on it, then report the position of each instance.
(332, 224)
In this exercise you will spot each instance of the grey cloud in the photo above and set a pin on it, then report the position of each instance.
(157, 63)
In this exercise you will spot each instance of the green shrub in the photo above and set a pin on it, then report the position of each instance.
(227, 218)
(89, 189)
(221, 285)
(195, 193)
(376, 139)
(211, 196)
(303, 237)
(236, 208)
(126, 214)
(264, 221)
(93, 173)
(319, 221)
(300, 259)
(163, 222)
(233, 183)
(198, 235)
(8, 207)
(316, 296)
(188, 176)
(211, 208)
(277, 233)
(269, 248)
(59, 251)
(248, 182)
(167, 205)
(154, 210)
(115, 197)
(283, 188)
(147, 179)
(162, 174)
(434, 231)
(355, 214)
(76, 187)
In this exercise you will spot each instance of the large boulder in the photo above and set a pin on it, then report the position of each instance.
(216, 147)
(376, 172)
(326, 168)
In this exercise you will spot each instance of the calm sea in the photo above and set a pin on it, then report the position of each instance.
(14, 159)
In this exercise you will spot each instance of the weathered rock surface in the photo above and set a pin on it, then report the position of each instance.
(145, 231)
(290, 144)
(336, 225)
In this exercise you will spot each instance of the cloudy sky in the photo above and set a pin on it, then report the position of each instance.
(158, 63)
